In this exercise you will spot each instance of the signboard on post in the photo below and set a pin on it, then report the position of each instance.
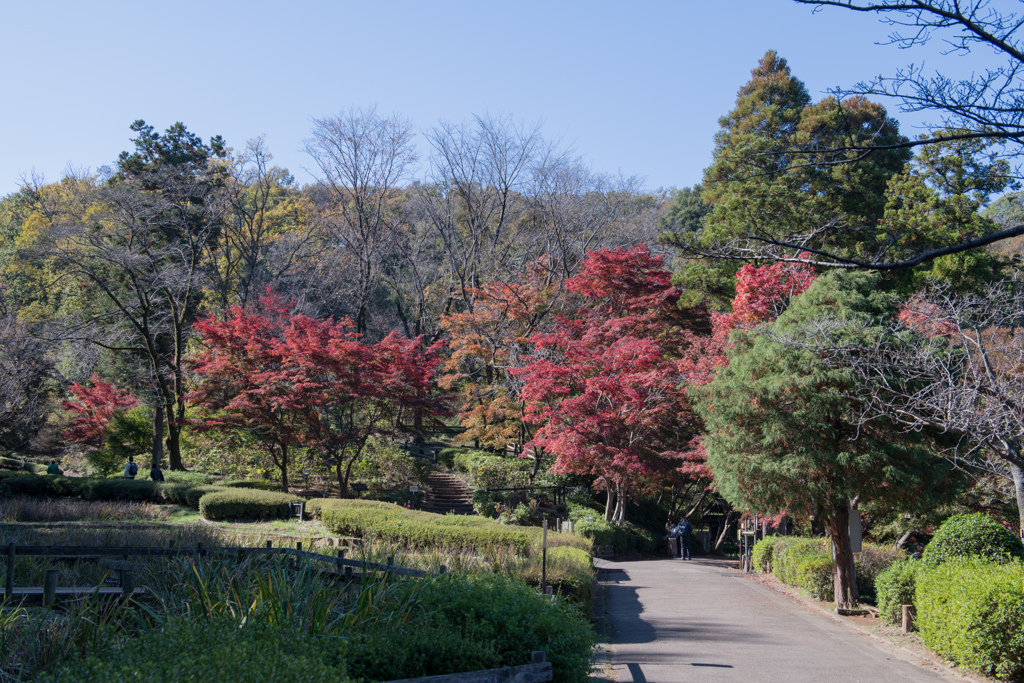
(856, 531)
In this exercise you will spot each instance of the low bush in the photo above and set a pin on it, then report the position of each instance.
(894, 587)
(42, 485)
(182, 477)
(246, 504)
(511, 617)
(260, 484)
(764, 552)
(817, 575)
(412, 528)
(975, 535)
(21, 465)
(100, 488)
(215, 650)
(871, 561)
(971, 611)
(591, 524)
(790, 553)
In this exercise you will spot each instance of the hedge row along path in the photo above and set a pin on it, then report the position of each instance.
(703, 620)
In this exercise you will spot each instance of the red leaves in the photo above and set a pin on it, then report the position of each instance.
(602, 384)
(94, 408)
(762, 294)
(295, 379)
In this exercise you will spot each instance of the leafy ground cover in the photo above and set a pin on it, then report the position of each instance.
(381, 629)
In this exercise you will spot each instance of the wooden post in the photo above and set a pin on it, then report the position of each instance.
(49, 587)
(549, 591)
(544, 559)
(908, 618)
(199, 549)
(443, 570)
(127, 582)
(348, 575)
(9, 583)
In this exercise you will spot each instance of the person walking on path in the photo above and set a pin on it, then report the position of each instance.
(683, 531)
(130, 468)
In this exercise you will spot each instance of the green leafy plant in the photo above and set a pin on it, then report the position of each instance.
(895, 587)
(972, 535)
(246, 504)
(971, 611)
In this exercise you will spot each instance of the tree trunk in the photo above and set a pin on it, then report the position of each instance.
(1018, 488)
(620, 506)
(845, 584)
(343, 477)
(158, 435)
(174, 446)
(609, 505)
(283, 466)
(730, 519)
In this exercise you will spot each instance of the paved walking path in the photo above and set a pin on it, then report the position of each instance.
(701, 620)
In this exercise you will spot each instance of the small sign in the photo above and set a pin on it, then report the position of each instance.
(856, 531)
(414, 488)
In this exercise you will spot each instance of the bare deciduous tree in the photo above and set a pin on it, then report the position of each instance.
(364, 159)
(951, 365)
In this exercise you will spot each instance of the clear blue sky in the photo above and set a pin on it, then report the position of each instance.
(634, 87)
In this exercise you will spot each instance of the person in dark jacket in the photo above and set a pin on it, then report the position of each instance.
(683, 532)
(155, 473)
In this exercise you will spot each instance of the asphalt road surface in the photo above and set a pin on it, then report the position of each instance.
(701, 620)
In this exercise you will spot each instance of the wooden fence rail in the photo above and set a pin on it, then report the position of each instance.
(339, 562)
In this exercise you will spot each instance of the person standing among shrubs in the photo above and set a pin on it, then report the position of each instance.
(683, 531)
(130, 468)
(155, 473)
(54, 468)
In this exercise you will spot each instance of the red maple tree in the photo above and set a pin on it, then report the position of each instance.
(94, 407)
(291, 380)
(605, 386)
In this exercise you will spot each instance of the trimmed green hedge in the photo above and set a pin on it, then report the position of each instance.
(246, 504)
(793, 552)
(975, 535)
(764, 553)
(807, 563)
(14, 464)
(591, 524)
(101, 488)
(972, 611)
(417, 529)
(42, 485)
(260, 484)
(895, 587)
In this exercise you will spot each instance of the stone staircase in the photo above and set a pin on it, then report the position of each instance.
(447, 493)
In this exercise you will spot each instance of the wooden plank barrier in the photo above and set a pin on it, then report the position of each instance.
(538, 671)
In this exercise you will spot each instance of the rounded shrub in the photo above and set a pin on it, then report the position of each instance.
(975, 535)
(894, 587)
(246, 504)
(102, 488)
(971, 611)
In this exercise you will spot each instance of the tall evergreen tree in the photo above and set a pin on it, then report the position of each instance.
(783, 433)
(765, 201)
